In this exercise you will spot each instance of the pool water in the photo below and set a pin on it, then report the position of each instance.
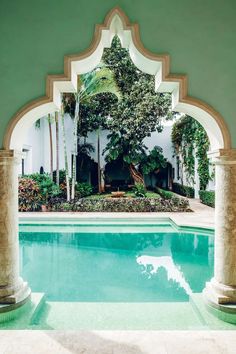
(119, 263)
(115, 275)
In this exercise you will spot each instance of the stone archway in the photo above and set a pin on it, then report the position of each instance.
(222, 289)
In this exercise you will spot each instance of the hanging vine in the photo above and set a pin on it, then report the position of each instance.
(189, 138)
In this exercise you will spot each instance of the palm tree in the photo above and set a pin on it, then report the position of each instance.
(57, 148)
(100, 80)
(65, 150)
(50, 145)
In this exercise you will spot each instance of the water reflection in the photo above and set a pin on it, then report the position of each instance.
(152, 264)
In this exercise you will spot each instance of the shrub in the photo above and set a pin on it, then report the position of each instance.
(165, 194)
(47, 187)
(123, 205)
(83, 189)
(207, 198)
(186, 191)
(62, 176)
(139, 190)
(29, 196)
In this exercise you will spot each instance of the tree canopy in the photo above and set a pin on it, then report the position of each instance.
(139, 113)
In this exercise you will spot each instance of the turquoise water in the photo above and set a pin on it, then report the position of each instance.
(119, 263)
(109, 275)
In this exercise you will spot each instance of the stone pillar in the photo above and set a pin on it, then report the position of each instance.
(222, 288)
(12, 288)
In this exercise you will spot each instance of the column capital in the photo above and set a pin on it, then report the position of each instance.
(7, 156)
(223, 156)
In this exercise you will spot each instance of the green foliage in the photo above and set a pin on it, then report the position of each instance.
(186, 191)
(62, 176)
(139, 190)
(83, 189)
(152, 161)
(97, 92)
(207, 198)
(165, 194)
(29, 195)
(47, 188)
(138, 113)
(123, 205)
(188, 134)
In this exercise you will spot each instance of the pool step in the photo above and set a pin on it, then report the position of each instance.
(21, 317)
(209, 319)
(118, 316)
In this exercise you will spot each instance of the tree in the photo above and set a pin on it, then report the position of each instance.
(64, 103)
(100, 80)
(153, 161)
(50, 145)
(57, 149)
(137, 115)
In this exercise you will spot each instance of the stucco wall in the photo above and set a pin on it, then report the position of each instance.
(199, 36)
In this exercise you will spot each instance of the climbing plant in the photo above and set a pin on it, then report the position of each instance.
(189, 137)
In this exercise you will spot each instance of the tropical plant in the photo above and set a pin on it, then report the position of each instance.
(137, 115)
(47, 188)
(84, 151)
(29, 195)
(139, 190)
(57, 148)
(153, 161)
(64, 102)
(100, 80)
(50, 144)
(84, 189)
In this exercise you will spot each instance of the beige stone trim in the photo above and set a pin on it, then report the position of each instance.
(166, 77)
(6, 156)
(223, 156)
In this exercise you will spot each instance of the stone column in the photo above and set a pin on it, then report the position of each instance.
(12, 288)
(222, 288)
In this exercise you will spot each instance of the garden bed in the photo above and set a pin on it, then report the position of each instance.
(39, 193)
(108, 204)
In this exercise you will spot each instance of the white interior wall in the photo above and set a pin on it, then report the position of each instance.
(37, 141)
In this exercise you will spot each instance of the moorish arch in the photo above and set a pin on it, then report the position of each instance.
(117, 23)
(222, 288)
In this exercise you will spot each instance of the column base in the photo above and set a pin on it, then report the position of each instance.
(218, 294)
(14, 294)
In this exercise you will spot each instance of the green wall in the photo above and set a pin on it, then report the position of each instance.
(200, 36)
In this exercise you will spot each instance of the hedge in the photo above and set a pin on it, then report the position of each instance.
(186, 191)
(207, 198)
(175, 204)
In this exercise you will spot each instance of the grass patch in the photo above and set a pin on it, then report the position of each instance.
(128, 194)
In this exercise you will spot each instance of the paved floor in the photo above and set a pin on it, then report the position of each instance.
(117, 342)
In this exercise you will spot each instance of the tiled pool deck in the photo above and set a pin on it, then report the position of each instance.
(117, 342)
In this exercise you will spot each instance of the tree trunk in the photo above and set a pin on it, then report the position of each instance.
(51, 145)
(99, 164)
(76, 120)
(65, 157)
(136, 175)
(57, 149)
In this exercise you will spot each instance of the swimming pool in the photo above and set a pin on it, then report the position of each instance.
(118, 263)
(116, 274)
